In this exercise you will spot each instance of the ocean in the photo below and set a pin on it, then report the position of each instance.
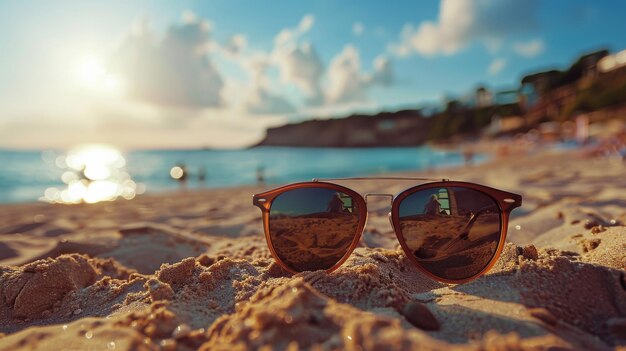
(93, 173)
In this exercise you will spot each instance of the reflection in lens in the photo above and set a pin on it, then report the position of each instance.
(312, 228)
(452, 232)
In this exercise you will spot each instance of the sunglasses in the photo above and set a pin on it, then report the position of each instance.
(452, 231)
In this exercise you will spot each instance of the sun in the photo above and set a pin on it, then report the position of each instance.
(93, 74)
(91, 71)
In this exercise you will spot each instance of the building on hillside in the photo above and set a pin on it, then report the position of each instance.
(506, 124)
(589, 63)
(540, 83)
(506, 97)
(483, 97)
(612, 62)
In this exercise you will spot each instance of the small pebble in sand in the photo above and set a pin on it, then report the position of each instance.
(560, 215)
(168, 345)
(111, 345)
(530, 252)
(590, 224)
(88, 334)
(181, 331)
(205, 260)
(543, 315)
(518, 227)
(598, 229)
(39, 218)
(576, 221)
(590, 245)
(64, 327)
(420, 316)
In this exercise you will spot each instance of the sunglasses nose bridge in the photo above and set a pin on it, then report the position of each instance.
(390, 196)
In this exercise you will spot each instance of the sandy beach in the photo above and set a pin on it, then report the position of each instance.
(191, 270)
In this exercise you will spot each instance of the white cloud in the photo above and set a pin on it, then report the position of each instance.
(306, 23)
(529, 49)
(299, 64)
(302, 66)
(175, 71)
(463, 21)
(188, 17)
(383, 71)
(288, 36)
(346, 82)
(496, 66)
(178, 71)
(298, 61)
(260, 99)
(236, 44)
(358, 28)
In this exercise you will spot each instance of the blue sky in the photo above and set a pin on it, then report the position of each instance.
(215, 73)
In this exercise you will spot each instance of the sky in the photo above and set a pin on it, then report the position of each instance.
(189, 74)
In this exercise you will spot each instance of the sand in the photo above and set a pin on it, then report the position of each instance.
(191, 270)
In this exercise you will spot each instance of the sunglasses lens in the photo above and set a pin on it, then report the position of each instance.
(312, 228)
(453, 232)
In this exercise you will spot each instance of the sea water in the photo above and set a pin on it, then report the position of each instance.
(27, 176)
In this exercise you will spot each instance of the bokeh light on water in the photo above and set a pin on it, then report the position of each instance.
(92, 173)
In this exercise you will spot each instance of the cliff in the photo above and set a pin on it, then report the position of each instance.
(401, 128)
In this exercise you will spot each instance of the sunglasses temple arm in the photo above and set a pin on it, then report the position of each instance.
(465, 233)
(466, 229)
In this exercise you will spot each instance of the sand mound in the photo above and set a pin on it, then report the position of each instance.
(295, 315)
(376, 301)
(587, 296)
(63, 289)
(36, 287)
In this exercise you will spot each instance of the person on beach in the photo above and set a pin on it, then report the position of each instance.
(335, 205)
(432, 207)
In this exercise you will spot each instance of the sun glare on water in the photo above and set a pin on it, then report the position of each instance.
(93, 173)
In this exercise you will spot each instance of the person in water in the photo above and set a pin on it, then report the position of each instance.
(260, 175)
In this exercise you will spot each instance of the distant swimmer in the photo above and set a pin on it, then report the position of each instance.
(260, 175)
(468, 156)
(201, 174)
